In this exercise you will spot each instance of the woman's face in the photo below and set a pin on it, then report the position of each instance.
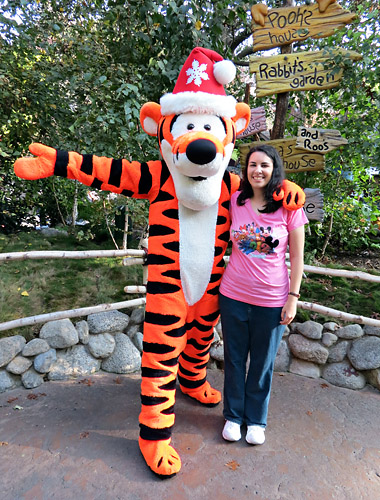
(259, 170)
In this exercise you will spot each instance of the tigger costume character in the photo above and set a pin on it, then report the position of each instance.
(189, 193)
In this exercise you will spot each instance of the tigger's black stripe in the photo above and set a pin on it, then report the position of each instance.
(296, 199)
(188, 372)
(159, 287)
(173, 122)
(171, 213)
(195, 344)
(289, 197)
(87, 165)
(160, 230)
(158, 260)
(145, 183)
(168, 411)
(224, 236)
(172, 274)
(199, 326)
(153, 400)
(172, 245)
(127, 192)
(209, 338)
(218, 251)
(189, 359)
(176, 332)
(160, 133)
(61, 162)
(221, 220)
(211, 317)
(163, 196)
(170, 386)
(170, 362)
(221, 263)
(203, 365)
(213, 291)
(96, 183)
(154, 373)
(226, 204)
(157, 348)
(191, 384)
(215, 277)
(154, 434)
(227, 180)
(115, 173)
(165, 173)
(160, 319)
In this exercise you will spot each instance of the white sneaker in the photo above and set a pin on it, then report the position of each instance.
(231, 431)
(255, 434)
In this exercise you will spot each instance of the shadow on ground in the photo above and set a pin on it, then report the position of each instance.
(78, 440)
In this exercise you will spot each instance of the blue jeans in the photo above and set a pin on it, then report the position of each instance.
(254, 330)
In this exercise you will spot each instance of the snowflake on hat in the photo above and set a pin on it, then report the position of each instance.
(189, 192)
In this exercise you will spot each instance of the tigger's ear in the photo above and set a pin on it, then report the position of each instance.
(242, 117)
(150, 116)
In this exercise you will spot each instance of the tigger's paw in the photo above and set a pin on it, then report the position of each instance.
(160, 457)
(205, 394)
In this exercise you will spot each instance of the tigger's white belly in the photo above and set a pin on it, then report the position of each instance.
(196, 249)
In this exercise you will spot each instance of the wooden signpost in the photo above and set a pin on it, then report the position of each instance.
(294, 160)
(314, 204)
(298, 71)
(319, 140)
(291, 24)
(257, 124)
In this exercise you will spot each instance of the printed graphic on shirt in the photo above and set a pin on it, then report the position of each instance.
(255, 241)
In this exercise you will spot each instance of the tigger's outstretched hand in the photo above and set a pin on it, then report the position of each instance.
(37, 168)
(291, 194)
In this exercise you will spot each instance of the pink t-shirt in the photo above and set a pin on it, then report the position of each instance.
(257, 273)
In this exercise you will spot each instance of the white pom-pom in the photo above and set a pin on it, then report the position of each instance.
(224, 71)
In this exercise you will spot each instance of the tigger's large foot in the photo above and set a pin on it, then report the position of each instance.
(205, 394)
(160, 457)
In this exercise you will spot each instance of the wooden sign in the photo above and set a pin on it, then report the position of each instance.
(298, 71)
(319, 140)
(257, 123)
(294, 160)
(291, 24)
(314, 204)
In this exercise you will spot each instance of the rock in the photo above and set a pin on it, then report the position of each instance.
(8, 381)
(216, 336)
(330, 326)
(137, 340)
(108, 322)
(125, 357)
(19, 365)
(305, 368)
(138, 316)
(364, 353)
(373, 378)
(371, 330)
(102, 345)
(59, 334)
(310, 329)
(329, 339)
(10, 347)
(83, 332)
(338, 352)
(350, 332)
(74, 362)
(286, 332)
(281, 363)
(343, 375)
(31, 379)
(44, 361)
(218, 328)
(217, 351)
(132, 330)
(308, 350)
(34, 347)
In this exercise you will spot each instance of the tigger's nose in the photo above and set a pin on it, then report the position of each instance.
(201, 151)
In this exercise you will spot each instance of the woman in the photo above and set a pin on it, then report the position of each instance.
(256, 298)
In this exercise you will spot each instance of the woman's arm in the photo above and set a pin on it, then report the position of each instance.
(296, 248)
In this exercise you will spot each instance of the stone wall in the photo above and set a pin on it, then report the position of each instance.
(347, 356)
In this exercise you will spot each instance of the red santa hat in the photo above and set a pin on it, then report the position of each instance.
(199, 88)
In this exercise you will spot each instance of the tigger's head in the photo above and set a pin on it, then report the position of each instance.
(197, 148)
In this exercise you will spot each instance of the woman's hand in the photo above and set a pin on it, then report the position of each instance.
(289, 310)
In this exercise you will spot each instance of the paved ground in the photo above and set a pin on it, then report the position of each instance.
(78, 440)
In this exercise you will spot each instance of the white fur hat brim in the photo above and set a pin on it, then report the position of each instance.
(198, 102)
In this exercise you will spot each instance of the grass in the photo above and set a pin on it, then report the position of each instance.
(31, 287)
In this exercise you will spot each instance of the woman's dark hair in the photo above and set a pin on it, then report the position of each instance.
(278, 176)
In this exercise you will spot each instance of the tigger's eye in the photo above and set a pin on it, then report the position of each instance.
(190, 126)
(207, 127)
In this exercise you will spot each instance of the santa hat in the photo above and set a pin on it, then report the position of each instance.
(199, 88)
